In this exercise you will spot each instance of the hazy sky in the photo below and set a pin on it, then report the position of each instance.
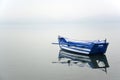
(61, 10)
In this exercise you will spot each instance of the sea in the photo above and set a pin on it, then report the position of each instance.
(27, 52)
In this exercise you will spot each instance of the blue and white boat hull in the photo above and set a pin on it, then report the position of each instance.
(83, 47)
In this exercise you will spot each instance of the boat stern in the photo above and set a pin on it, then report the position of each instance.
(99, 48)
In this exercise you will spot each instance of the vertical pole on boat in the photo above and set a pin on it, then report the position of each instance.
(59, 40)
(105, 40)
(58, 36)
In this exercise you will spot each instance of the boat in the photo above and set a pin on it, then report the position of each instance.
(87, 47)
(91, 61)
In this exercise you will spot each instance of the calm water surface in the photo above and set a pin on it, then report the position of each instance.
(26, 52)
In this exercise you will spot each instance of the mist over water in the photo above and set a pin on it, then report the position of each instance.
(26, 52)
(29, 27)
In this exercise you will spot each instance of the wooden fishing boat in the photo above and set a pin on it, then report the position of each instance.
(83, 47)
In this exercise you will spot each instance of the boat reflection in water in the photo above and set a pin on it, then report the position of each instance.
(92, 61)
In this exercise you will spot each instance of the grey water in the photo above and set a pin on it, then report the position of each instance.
(27, 52)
